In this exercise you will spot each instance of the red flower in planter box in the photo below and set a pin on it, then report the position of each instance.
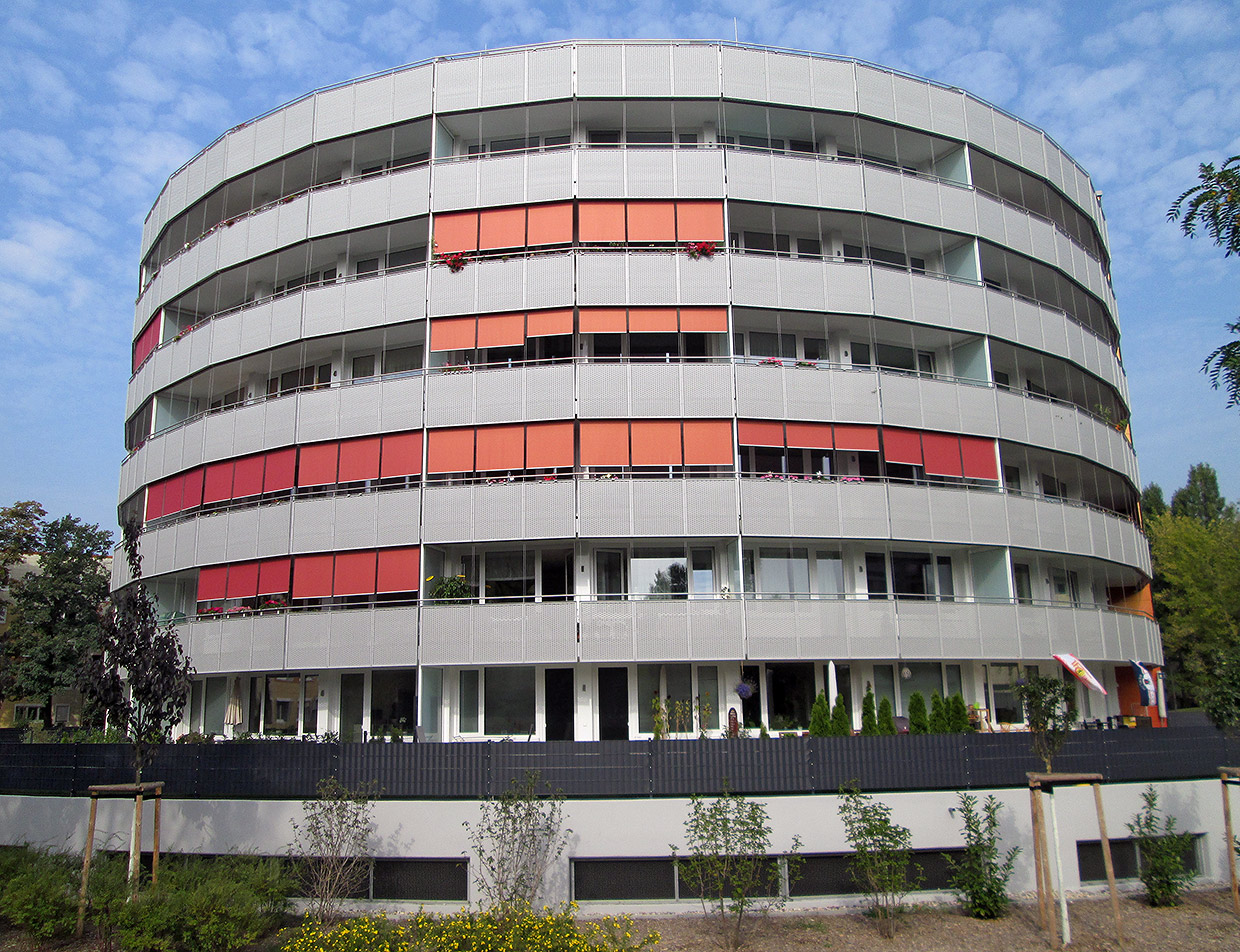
(700, 249)
(455, 261)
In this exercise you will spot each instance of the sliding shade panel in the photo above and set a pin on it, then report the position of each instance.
(450, 451)
(218, 482)
(212, 583)
(942, 454)
(708, 443)
(456, 231)
(601, 221)
(242, 580)
(248, 476)
(359, 459)
(501, 330)
(604, 443)
(402, 454)
(550, 224)
(312, 576)
(191, 497)
(902, 446)
(549, 323)
(355, 573)
(652, 221)
(811, 436)
(704, 320)
(501, 228)
(549, 445)
(656, 443)
(500, 448)
(856, 437)
(399, 570)
(174, 493)
(280, 470)
(316, 465)
(454, 333)
(155, 494)
(603, 320)
(760, 433)
(273, 576)
(653, 320)
(147, 341)
(699, 221)
(978, 456)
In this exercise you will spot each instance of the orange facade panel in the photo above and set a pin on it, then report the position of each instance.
(704, 320)
(501, 330)
(550, 224)
(450, 451)
(810, 436)
(857, 437)
(359, 459)
(656, 443)
(399, 570)
(454, 333)
(603, 320)
(549, 323)
(652, 221)
(549, 445)
(760, 433)
(601, 221)
(402, 454)
(699, 221)
(500, 448)
(708, 443)
(456, 231)
(653, 320)
(501, 228)
(604, 443)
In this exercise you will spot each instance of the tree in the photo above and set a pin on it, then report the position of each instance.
(958, 716)
(1198, 566)
(938, 715)
(918, 721)
(1152, 501)
(886, 718)
(152, 661)
(1050, 707)
(21, 531)
(841, 720)
(820, 717)
(869, 721)
(1200, 498)
(1214, 203)
(56, 621)
(882, 856)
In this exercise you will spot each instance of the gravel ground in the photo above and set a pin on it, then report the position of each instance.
(1204, 923)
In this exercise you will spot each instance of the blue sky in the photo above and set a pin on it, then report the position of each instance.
(100, 100)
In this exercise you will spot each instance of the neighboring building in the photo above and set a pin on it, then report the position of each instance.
(444, 323)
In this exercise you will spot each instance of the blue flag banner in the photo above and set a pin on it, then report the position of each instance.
(1145, 684)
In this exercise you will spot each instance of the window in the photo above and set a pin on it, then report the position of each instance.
(1064, 587)
(1011, 478)
(703, 561)
(762, 344)
(783, 573)
(1023, 583)
(508, 700)
(671, 687)
(829, 574)
(860, 354)
(659, 573)
(363, 368)
(27, 712)
(1052, 488)
(609, 580)
(876, 574)
(1004, 705)
(509, 575)
(816, 348)
(468, 702)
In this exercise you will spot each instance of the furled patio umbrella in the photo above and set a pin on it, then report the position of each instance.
(1073, 664)
(232, 717)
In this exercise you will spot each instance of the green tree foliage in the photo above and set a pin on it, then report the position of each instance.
(841, 719)
(882, 856)
(1198, 566)
(1200, 498)
(1152, 501)
(958, 716)
(886, 718)
(869, 720)
(1050, 707)
(918, 720)
(1161, 851)
(21, 532)
(938, 715)
(820, 717)
(1214, 204)
(153, 663)
(56, 620)
(727, 861)
(980, 876)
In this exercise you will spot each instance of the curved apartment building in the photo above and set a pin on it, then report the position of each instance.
(591, 390)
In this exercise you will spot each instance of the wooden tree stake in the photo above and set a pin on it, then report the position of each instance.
(90, 848)
(1229, 776)
(1106, 859)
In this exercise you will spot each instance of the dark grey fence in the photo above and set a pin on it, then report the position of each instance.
(786, 765)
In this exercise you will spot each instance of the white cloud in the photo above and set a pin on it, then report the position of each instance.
(41, 250)
(183, 43)
(137, 80)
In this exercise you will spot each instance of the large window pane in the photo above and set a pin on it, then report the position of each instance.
(432, 701)
(392, 701)
(1006, 707)
(926, 677)
(283, 697)
(510, 575)
(609, 574)
(215, 705)
(911, 575)
(708, 696)
(703, 571)
(647, 696)
(310, 704)
(884, 685)
(509, 700)
(659, 573)
(469, 702)
(783, 572)
(829, 568)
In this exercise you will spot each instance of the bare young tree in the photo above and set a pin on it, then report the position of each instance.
(331, 846)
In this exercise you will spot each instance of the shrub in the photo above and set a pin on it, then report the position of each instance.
(938, 715)
(881, 862)
(39, 895)
(331, 847)
(820, 717)
(869, 722)
(841, 719)
(886, 719)
(918, 720)
(727, 861)
(1161, 850)
(979, 876)
(957, 716)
